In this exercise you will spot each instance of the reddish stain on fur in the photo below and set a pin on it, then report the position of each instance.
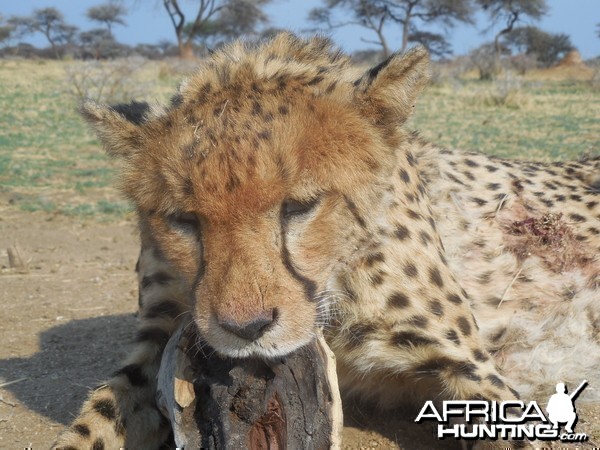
(550, 238)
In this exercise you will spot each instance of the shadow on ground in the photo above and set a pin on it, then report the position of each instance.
(72, 358)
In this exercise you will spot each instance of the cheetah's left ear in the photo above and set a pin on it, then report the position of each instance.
(388, 91)
(118, 126)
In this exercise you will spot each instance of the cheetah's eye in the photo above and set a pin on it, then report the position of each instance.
(295, 208)
(186, 222)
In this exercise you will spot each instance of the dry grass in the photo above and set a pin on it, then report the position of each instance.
(49, 160)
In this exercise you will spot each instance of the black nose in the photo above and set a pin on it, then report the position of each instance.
(250, 330)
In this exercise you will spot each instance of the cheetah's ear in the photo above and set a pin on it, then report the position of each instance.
(388, 91)
(118, 126)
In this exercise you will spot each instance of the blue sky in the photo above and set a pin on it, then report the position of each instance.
(148, 22)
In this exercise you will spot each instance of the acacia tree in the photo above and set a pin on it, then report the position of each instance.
(47, 21)
(108, 14)
(236, 19)
(210, 11)
(410, 15)
(547, 48)
(509, 12)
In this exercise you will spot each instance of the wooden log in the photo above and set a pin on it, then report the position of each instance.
(216, 402)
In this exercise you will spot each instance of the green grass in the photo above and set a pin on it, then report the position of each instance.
(539, 121)
(50, 161)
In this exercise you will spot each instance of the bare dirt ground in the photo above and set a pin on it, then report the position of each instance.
(68, 321)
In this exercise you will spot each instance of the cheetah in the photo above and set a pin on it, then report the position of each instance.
(279, 193)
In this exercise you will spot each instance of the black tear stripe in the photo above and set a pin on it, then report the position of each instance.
(310, 287)
(201, 267)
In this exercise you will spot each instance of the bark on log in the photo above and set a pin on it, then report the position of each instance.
(223, 403)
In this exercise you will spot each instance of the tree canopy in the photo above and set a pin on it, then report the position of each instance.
(48, 21)
(546, 47)
(409, 15)
(108, 14)
(229, 18)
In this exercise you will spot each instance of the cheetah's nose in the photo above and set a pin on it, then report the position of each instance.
(250, 330)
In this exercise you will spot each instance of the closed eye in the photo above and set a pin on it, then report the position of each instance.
(298, 208)
(186, 222)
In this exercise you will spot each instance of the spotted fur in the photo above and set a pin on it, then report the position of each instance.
(280, 188)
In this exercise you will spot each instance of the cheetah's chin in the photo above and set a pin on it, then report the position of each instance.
(260, 350)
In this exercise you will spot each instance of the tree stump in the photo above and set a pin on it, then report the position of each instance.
(216, 402)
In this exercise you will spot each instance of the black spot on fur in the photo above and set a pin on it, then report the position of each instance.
(410, 270)
(134, 375)
(106, 408)
(315, 80)
(478, 201)
(495, 381)
(401, 232)
(359, 333)
(264, 135)
(454, 298)
(498, 335)
(485, 277)
(354, 210)
(418, 321)
(435, 277)
(283, 110)
(464, 325)
(454, 179)
(378, 278)
(398, 300)
(480, 356)
(176, 100)
(492, 186)
(98, 444)
(81, 429)
(434, 366)
(471, 163)
(469, 175)
(413, 214)
(577, 217)
(425, 238)
(409, 338)
(466, 370)
(374, 258)
(256, 108)
(435, 306)
(451, 335)
(491, 169)
(404, 176)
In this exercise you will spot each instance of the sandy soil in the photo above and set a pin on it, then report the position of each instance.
(68, 321)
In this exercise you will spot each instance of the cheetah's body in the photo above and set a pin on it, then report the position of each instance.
(278, 192)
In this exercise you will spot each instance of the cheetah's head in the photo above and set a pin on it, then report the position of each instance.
(251, 180)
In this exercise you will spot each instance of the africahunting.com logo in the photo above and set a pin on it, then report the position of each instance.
(514, 420)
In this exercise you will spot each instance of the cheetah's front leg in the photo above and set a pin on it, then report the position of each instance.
(123, 412)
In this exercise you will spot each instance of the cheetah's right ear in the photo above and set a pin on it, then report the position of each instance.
(118, 126)
(387, 92)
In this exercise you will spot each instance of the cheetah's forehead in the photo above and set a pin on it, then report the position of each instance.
(251, 128)
(257, 122)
